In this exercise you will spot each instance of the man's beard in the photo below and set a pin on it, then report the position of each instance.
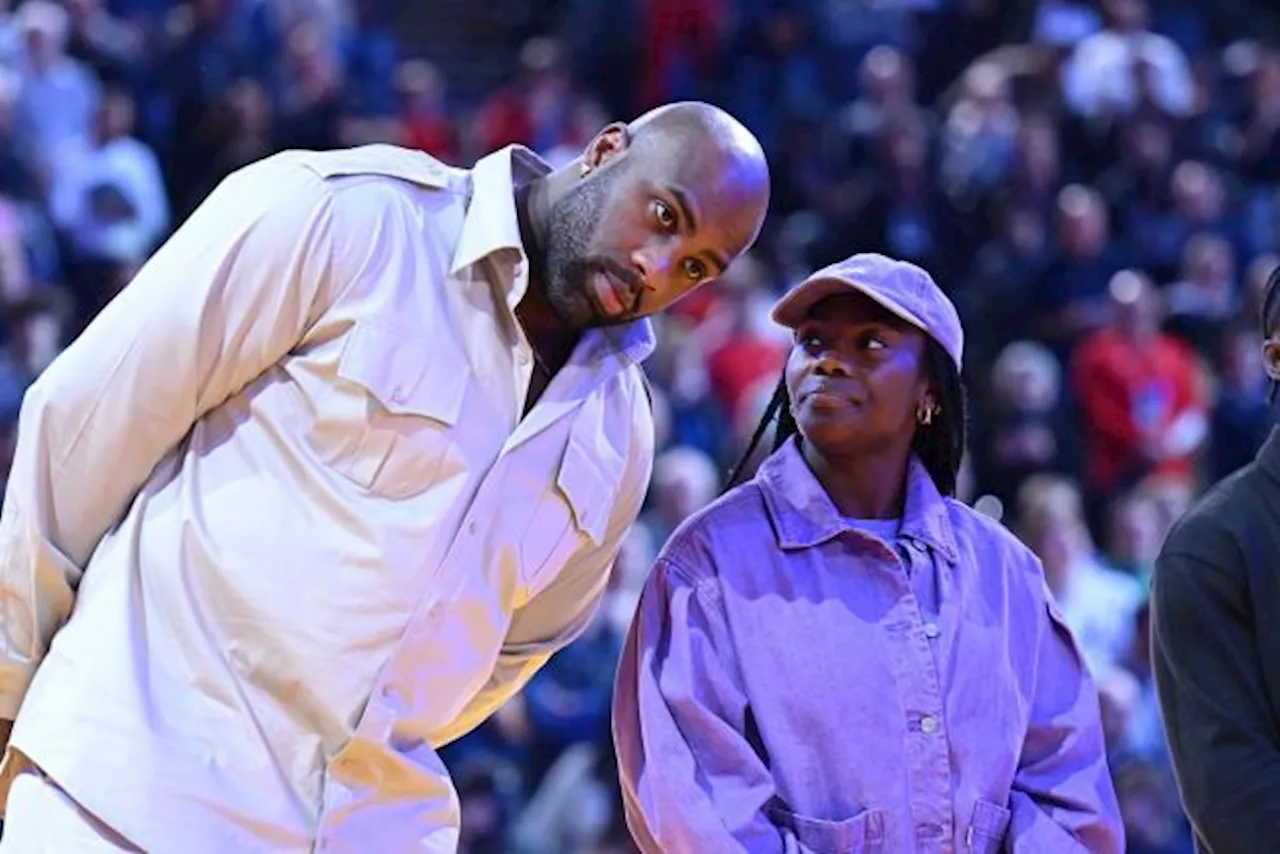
(568, 265)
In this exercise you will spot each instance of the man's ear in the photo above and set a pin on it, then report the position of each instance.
(1271, 358)
(609, 143)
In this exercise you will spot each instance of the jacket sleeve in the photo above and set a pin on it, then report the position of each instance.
(1221, 728)
(1063, 799)
(690, 779)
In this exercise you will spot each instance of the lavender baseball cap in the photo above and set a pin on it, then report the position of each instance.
(901, 287)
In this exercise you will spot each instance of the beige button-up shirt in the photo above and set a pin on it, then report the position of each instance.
(276, 529)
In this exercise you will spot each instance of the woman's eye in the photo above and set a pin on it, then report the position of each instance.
(694, 270)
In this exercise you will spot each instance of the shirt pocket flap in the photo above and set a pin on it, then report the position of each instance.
(860, 834)
(989, 823)
(396, 368)
(591, 472)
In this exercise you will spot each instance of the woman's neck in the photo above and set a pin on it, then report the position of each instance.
(868, 486)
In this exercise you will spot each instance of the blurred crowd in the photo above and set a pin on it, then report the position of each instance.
(1095, 183)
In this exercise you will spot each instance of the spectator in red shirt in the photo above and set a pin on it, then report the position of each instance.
(1141, 407)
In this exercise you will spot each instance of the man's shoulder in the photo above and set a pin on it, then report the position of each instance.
(363, 181)
(1219, 551)
(380, 159)
(1214, 526)
(387, 170)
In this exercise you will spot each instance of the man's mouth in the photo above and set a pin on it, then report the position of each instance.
(612, 296)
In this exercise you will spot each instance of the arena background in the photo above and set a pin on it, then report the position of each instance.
(1052, 162)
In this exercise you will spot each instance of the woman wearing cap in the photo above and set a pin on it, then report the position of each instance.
(836, 656)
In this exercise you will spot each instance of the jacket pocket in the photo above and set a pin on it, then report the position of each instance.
(987, 828)
(859, 834)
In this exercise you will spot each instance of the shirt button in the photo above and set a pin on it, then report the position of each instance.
(928, 725)
(931, 630)
(399, 395)
(394, 700)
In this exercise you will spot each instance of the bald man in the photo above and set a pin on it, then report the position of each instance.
(342, 467)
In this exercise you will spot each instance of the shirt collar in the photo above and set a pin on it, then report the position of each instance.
(490, 225)
(635, 341)
(804, 516)
(491, 228)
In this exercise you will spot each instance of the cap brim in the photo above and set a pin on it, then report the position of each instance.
(792, 309)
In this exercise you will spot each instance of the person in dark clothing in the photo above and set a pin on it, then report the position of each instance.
(1242, 417)
(1216, 644)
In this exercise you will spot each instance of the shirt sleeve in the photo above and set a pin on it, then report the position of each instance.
(559, 614)
(690, 779)
(228, 295)
(1063, 799)
(1220, 725)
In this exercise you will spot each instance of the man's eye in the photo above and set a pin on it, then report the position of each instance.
(664, 214)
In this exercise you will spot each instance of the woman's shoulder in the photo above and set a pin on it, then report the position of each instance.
(736, 522)
(989, 543)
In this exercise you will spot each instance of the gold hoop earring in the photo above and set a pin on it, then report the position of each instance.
(925, 412)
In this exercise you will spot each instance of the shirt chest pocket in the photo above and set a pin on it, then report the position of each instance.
(988, 829)
(574, 515)
(860, 834)
(390, 428)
